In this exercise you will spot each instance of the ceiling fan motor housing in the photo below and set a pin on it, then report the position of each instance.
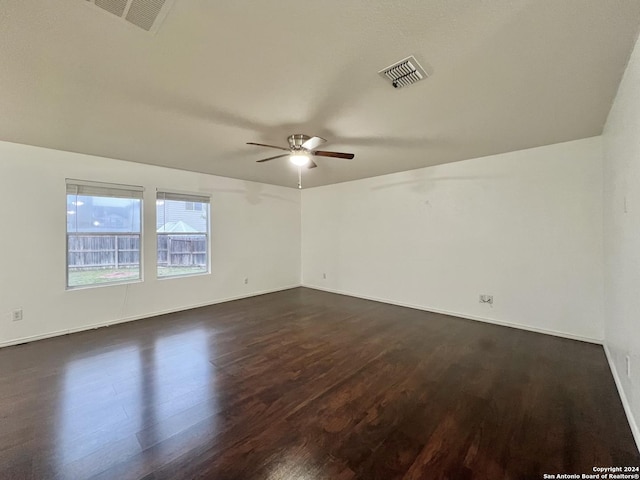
(296, 141)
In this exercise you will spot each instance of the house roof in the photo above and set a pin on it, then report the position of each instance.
(179, 226)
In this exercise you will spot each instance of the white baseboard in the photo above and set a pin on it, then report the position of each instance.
(108, 323)
(623, 397)
(555, 333)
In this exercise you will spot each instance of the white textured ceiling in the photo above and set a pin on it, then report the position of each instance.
(504, 75)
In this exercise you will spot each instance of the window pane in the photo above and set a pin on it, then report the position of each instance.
(102, 214)
(103, 239)
(183, 240)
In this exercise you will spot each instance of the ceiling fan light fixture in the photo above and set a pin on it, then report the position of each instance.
(302, 149)
(299, 159)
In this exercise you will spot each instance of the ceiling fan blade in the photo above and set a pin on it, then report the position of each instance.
(265, 145)
(321, 153)
(313, 142)
(312, 164)
(272, 158)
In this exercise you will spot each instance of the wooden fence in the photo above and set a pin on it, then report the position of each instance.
(182, 250)
(100, 251)
(123, 250)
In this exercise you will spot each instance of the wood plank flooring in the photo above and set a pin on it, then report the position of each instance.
(303, 384)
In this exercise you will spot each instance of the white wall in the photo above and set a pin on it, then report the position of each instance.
(525, 227)
(255, 233)
(621, 141)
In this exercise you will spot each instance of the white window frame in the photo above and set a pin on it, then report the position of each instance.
(109, 190)
(162, 195)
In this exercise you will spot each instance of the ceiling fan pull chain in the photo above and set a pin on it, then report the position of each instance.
(299, 177)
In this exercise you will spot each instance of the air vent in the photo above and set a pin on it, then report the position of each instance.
(112, 6)
(146, 14)
(403, 73)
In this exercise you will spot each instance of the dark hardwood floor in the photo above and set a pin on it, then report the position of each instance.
(308, 385)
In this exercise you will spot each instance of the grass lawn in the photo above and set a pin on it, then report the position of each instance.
(171, 271)
(78, 278)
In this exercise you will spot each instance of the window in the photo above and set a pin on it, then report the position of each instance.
(182, 224)
(103, 233)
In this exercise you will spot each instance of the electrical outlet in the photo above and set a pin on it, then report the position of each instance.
(16, 315)
(628, 358)
(246, 280)
(324, 276)
(486, 299)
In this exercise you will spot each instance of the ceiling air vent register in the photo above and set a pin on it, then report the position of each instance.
(146, 14)
(404, 73)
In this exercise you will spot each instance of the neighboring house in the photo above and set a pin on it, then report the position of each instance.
(173, 214)
(98, 214)
(174, 219)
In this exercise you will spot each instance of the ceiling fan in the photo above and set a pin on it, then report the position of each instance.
(301, 149)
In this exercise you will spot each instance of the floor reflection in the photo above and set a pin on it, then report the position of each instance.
(179, 389)
(295, 466)
(90, 415)
(133, 398)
